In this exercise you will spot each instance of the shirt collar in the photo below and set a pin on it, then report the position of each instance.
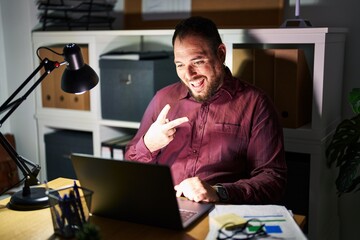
(184, 91)
(230, 84)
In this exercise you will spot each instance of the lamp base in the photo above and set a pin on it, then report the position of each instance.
(37, 199)
(296, 23)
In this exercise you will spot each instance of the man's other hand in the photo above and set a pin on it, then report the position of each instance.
(196, 190)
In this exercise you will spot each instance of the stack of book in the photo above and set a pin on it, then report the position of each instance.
(115, 148)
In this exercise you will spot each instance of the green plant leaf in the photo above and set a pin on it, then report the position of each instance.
(354, 100)
(344, 150)
(88, 232)
(356, 182)
(347, 178)
(346, 134)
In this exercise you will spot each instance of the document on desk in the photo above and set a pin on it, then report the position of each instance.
(279, 222)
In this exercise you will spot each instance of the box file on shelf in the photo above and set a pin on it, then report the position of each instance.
(52, 94)
(284, 75)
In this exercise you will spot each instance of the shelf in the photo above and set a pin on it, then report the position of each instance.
(119, 124)
(326, 58)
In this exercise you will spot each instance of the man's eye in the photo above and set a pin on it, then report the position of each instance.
(199, 62)
(179, 65)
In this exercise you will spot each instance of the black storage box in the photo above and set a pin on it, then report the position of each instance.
(58, 147)
(127, 86)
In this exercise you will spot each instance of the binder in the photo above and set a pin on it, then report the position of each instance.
(106, 147)
(293, 87)
(118, 150)
(264, 70)
(285, 77)
(49, 84)
(72, 101)
(52, 94)
(243, 64)
(115, 147)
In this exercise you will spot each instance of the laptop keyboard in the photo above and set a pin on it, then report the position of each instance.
(186, 214)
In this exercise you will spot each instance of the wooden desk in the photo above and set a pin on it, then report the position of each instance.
(37, 224)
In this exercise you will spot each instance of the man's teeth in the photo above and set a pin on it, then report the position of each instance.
(196, 83)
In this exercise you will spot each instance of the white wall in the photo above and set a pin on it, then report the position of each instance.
(3, 83)
(18, 18)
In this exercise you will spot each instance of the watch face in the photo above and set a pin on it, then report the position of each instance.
(222, 193)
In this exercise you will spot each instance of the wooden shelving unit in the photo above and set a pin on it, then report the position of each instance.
(310, 139)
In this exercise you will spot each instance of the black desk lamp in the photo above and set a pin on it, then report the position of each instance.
(78, 77)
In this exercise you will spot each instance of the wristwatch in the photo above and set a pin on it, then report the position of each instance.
(221, 192)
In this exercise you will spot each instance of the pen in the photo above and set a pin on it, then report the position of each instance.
(63, 218)
(66, 210)
(54, 210)
(74, 209)
(78, 198)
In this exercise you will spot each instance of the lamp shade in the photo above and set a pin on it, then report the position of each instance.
(78, 77)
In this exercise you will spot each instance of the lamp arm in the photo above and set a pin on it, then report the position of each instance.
(11, 105)
(8, 103)
(14, 155)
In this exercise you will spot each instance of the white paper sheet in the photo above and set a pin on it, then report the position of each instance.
(272, 216)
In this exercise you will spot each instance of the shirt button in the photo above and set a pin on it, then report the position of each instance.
(194, 151)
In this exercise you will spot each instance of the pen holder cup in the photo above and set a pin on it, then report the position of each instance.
(69, 209)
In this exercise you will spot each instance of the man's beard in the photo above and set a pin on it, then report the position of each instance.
(214, 86)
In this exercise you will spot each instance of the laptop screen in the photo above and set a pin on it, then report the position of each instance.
(133, 191)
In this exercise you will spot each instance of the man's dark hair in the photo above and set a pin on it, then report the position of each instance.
(198, 26)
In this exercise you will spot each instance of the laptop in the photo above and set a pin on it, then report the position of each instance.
(136, 192)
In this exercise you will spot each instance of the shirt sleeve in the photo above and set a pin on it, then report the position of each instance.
(265, 160)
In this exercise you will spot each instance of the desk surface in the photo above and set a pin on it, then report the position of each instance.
(37, 224)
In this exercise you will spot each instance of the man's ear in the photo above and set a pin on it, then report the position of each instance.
(221, 51)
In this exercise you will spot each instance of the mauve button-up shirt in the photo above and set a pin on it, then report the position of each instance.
(234, 139)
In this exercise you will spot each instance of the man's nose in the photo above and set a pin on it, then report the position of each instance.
(190, 72)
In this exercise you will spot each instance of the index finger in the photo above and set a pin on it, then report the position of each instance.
(162, 115)
(176, 122)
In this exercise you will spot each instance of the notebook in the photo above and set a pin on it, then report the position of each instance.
(135, 192)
